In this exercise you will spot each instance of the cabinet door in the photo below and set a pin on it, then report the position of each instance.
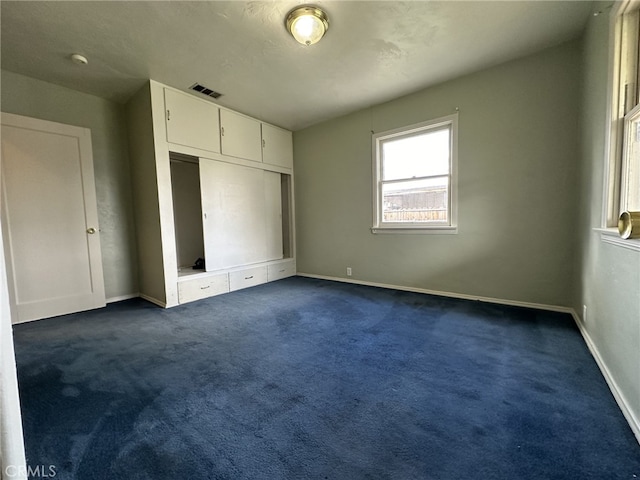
(240, 225)
(240, 136)
(277, 146)
(191, 122)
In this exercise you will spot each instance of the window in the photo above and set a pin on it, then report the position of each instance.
(631, 162)
(415, 177)
(623, 182)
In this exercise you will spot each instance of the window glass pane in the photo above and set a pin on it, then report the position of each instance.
(416, 201)
(422, 155)
(633, 164)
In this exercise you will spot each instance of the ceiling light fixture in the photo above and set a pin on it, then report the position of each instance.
(79, 59)
(307, 24)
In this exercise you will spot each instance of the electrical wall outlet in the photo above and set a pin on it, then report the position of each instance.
(584, 314)
(348, 271)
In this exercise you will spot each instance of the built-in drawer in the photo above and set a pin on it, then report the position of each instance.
(279, 270)
(247, 277)
(202, 287)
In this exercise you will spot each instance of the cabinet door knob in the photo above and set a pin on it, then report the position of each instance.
(91, 230)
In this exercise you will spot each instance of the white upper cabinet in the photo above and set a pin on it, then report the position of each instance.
(196, 123)
(191, 122)
(240, 136)
(277, 146)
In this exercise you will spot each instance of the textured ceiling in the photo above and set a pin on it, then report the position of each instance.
(374, 51)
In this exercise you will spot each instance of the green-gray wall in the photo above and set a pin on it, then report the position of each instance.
(609, 276)
(34, 98)
(519, 145)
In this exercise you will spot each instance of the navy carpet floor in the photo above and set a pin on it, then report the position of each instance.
(310, 379)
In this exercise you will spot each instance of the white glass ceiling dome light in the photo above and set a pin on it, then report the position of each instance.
(307, 24)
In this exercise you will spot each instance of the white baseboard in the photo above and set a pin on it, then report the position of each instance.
(632, 419)
(634, 422)
(120, 298)
(462, 296)
(153, 300)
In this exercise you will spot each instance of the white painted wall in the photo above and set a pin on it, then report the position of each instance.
(12, 456)
(608, 275)
(152, 272)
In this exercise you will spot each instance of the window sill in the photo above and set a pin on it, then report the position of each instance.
(612, 237)
(435, 230)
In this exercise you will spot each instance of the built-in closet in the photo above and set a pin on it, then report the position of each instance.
(213, 194)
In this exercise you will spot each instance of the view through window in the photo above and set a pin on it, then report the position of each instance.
(415, 176)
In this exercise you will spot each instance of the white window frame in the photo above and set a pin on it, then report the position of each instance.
(622, 109)
(451, 226)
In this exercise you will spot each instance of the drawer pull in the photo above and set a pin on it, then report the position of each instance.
(248, 278)
(282, 271)
(205, 287)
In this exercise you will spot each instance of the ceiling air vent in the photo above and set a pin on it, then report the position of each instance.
(205, 91)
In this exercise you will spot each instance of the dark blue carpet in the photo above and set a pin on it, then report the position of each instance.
(309, 379)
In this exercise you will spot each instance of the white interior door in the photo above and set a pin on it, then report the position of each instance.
(52, 239)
